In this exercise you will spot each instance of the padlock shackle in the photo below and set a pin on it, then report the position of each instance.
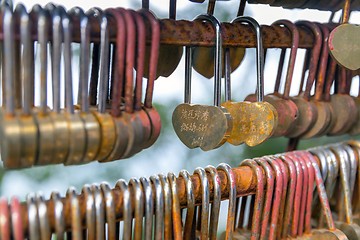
(104, 56)
(57, 35)
(218, 55)
(292, 59)
(67, 28)
(259, 55)
(27, 58)
(315, 53)
(83, 96)
(117, 85)
(319, 89)
(346, 11)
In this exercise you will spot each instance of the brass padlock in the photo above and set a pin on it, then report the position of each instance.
(107, 123)
(122, 139)
(61, 127)
(150, 110)
(10, 129)
(77, 132)
(207, 127)
(46, 149)
(91, 124)
(29, 129)
(253, 122)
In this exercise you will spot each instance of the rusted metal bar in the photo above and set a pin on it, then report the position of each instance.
(196, 33)
(245, 185)
(328, 5)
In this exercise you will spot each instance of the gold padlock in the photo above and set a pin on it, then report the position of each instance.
(44, 121)
(77, 138)
(91, 124)
(10, 130)
(207, 127)
(107, 123)
(61, 129)
(29, 129)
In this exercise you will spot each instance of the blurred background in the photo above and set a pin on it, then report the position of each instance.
(168, 154)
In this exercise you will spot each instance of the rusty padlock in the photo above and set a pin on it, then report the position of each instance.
(203, 126)
(153, 114)
(344, 106)
(253, 122)
(307, 110)
(342, 37)
(107, 123)
(323, 119)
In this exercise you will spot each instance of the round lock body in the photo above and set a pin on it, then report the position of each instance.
(306, 118)
(10, 134)
(77, 139)
(29, 140)
(322, 121)
(155, 121)
(93, 136)
(62, 137)
(108, 134)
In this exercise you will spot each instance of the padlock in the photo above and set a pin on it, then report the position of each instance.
(307, 110)
(76, 229)
(5, 230)
(230, 223)
(16, 221)
(190, 205)
(141, 116)
(134, 184)
(149, 207)
(169, 55)
(77, 132)
(215, 205)
(282, 102)
(270, 180)
(107, 123)
(133, 124)
(207, 127)
(59, 218)
(60, 123)
(324, 115)
(258, 201)
(45, 232)
(10, 128)
(342, 37)
(127, 206)
(90, 220)
(331, 232)
(355, 129)
(176, 210)
(293, 177)
(91, 124)
(33, 218)
(344, 106)
(109, 210)
(28, 127)
(351, 229)
(201, 221)
(159, 207)
(254, 122)
(286, 108)
(202, 56)
(153, 114)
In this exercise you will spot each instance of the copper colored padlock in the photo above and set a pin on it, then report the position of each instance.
(307, 110)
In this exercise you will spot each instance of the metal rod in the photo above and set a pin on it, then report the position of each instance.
(197, 33)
